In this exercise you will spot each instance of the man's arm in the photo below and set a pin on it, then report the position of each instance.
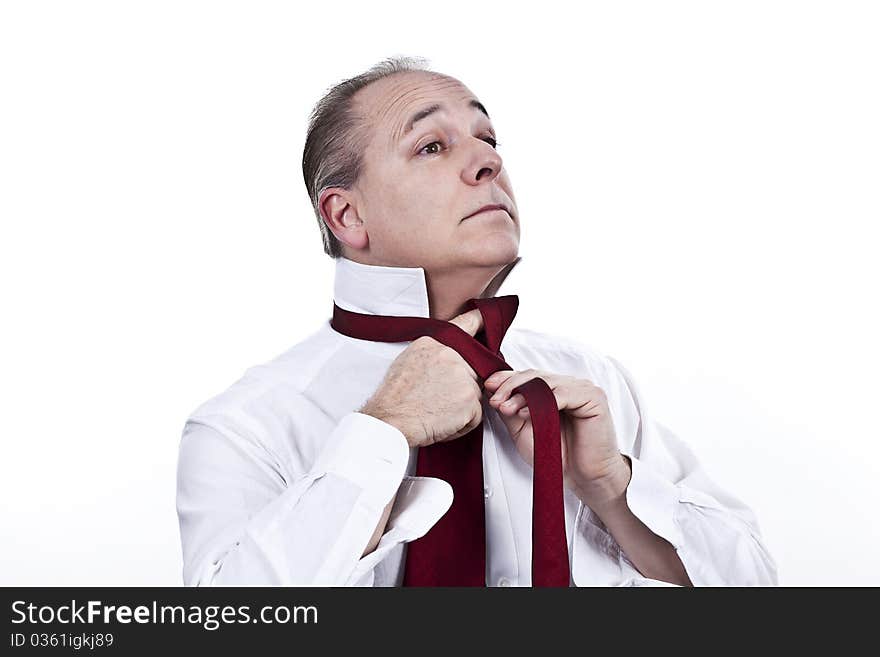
(669, 521)
(671, 506)
(380, 528)
(243, 521)
(652, 555)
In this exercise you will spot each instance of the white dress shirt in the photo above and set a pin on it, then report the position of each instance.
(282, 482)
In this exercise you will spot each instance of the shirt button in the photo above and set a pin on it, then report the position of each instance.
(504, 582)
(487, 492)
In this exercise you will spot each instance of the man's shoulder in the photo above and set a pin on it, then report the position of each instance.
(285, 375)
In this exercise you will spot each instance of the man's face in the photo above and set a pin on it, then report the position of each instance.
(421, 180)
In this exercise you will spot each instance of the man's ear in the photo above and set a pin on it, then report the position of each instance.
(341, 216)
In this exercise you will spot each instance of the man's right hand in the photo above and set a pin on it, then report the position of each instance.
(430, 393)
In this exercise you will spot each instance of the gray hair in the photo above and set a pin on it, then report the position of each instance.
(337, 136)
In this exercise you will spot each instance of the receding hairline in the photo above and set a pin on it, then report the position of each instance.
(370, 113)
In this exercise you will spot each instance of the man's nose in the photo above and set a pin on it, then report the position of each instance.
(485, 164)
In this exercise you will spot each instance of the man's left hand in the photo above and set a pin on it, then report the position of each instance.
(593, 467)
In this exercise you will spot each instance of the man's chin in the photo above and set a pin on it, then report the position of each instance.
(497, 262)
(494, 250)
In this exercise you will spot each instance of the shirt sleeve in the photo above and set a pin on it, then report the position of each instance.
(715, 534)
(244, 521)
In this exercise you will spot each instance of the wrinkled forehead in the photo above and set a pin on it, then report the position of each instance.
(387, 103)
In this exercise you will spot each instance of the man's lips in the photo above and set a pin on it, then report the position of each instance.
(489, 208)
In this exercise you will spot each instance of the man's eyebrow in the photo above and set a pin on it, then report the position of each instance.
(436, 107)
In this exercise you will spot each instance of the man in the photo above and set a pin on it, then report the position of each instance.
(306, 471)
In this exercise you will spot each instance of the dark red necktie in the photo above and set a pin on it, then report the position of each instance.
(453, 552)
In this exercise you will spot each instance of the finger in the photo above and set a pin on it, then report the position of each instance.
(513, 404)
(580, 399)
(470, 322)
(506, 388)
(496, 379)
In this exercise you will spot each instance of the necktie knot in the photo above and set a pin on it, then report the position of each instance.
(498, 314)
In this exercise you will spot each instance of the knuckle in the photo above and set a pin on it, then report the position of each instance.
(425, 342)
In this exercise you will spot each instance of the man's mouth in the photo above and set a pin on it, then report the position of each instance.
(492, 207)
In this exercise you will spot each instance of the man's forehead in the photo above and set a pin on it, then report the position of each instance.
(393, 99)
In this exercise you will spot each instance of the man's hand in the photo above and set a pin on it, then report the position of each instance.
(430, 393)
(593, 467)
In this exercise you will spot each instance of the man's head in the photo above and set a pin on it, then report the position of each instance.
(396, 160)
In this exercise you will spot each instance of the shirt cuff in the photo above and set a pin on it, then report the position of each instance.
(420, 503)
(654, 500)
(368, 452)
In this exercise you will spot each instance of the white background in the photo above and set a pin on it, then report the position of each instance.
(698, 181)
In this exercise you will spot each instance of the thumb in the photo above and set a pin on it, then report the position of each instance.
(470, 322)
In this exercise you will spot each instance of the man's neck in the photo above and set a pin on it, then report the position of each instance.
(449, 290)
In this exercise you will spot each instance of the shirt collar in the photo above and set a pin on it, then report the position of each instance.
(395, 291)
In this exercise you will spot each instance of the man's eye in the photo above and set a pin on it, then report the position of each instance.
(432, 148)
(427, 146)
